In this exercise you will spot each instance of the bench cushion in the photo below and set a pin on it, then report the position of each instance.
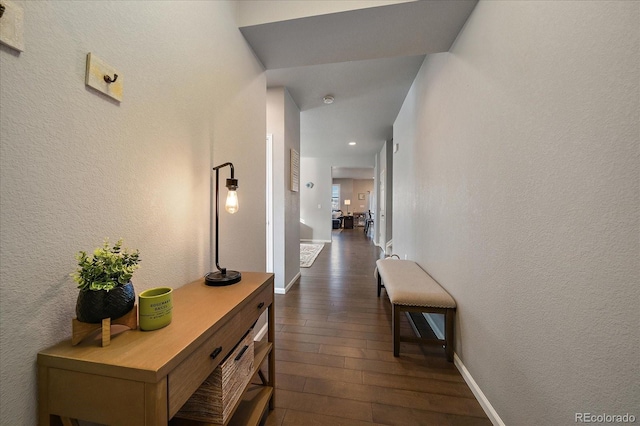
(408, 284)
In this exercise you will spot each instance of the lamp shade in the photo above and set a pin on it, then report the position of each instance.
(347, 202)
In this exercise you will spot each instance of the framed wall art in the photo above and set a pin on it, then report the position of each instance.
(295, 170)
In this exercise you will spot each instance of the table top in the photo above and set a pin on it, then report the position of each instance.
(198, 312)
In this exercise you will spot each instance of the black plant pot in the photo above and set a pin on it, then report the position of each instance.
(94, 306)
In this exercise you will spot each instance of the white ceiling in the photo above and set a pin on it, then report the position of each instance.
(367, 59)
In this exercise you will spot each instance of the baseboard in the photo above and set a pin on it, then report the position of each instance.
(288, 286)
(315, 241)
(477, 392)
(435, 326)
(260, 334)
(386, 249)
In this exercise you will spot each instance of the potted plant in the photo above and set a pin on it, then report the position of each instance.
(104, 280)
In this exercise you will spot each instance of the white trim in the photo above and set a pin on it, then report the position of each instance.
(388, 248)
(439, 332)
(260, 334)
(482, 399)
(412, 324)
(269, 203)
(288, 286)
(315, 241)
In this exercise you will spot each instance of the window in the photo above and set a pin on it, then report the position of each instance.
(335, 197)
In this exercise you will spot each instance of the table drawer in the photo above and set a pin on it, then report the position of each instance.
(189, 375)
(191, 372)
(256, 306)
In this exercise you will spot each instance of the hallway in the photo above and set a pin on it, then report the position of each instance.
(334, 358)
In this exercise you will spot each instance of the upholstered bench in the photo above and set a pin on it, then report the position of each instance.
(411, 289)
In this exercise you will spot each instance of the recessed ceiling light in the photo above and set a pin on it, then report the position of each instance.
(328, 99)
(352, 143)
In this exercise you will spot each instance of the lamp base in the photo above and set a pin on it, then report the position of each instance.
(216, 279)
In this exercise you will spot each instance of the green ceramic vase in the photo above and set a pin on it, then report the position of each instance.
(155, 308)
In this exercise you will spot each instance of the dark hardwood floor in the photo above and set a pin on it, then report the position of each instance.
(334, 356)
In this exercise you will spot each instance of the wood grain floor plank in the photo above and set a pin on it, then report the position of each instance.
(334, 356)
(329, 340)
(327, 405)
(300, 418)
(361, 353)
(349, 334)
(400, 416)
(404, 369)
(319, 371)
(351, 326)
(290, 382)
(310, 358)
(396, 397)
(443, 387)
(295, 345)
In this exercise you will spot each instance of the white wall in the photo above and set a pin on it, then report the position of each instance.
(283, 122)
(517, 188)
(384, 208)
(76, 166)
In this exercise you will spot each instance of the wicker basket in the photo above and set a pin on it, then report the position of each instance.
(218, 394)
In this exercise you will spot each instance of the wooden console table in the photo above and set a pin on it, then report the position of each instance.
(144, 377)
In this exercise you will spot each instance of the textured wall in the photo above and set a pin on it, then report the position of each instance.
(76, 166)
(517, 188)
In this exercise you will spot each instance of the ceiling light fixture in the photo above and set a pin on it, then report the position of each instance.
(352, 143)
(328, 99)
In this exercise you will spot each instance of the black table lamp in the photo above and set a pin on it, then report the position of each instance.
(223, 276)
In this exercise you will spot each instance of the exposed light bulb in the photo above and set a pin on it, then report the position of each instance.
(231, 206)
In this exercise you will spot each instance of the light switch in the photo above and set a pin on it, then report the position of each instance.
(11, 25)
(103, 77)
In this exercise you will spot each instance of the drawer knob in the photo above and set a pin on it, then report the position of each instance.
(260, 305)
(244, 349)
(216, 352)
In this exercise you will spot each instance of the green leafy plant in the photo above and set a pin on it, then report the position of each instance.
(108, 267)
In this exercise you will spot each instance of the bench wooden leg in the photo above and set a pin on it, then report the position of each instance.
(396, 329)
(449, 327)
